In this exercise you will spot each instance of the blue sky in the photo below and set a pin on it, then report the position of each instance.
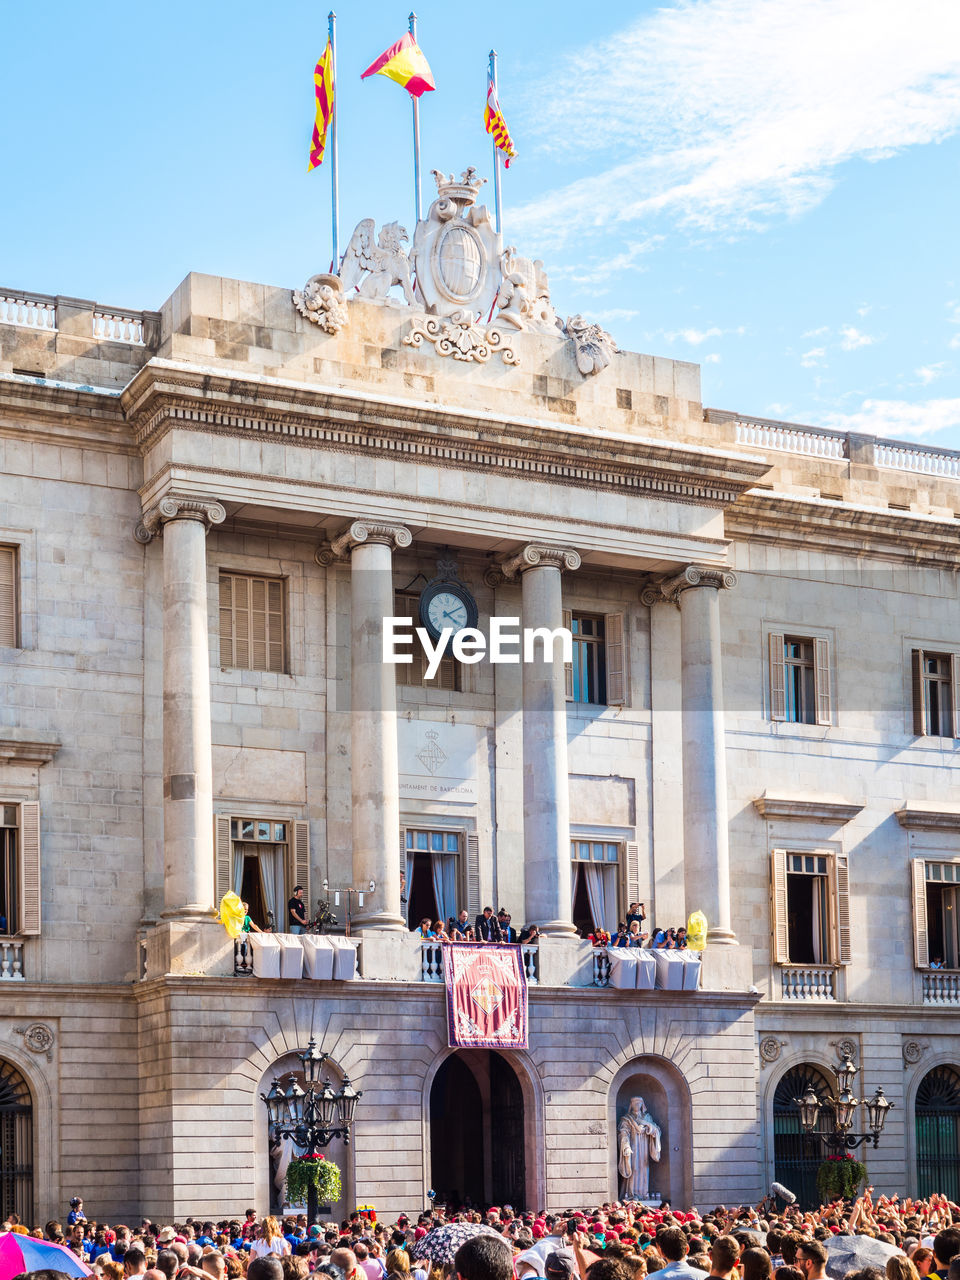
(766, 187)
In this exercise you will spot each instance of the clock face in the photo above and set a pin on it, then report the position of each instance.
(447, 606)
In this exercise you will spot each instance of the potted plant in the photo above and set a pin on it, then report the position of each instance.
(304, 1172)
(839, 1176)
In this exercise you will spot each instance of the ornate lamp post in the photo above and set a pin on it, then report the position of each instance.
(844, 1108)
(313, 1116)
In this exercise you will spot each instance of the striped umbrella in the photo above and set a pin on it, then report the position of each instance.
(26, 1253)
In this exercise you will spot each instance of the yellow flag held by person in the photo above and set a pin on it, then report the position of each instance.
(232, 914)
(697, 931)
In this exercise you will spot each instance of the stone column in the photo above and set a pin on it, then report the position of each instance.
(188, 856)
(705, 817)
(374, 764)
(546, 787)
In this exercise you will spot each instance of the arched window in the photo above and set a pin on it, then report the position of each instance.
(16, 1144)
(796, 1155)
(937, 1118)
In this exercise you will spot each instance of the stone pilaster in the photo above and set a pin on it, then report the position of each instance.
(374, 767)
(546, 793)
(188, 875)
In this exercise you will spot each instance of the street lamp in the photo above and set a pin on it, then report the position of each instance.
(844, 1107)
(314, 1116)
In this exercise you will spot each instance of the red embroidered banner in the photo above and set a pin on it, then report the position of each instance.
(486, 995)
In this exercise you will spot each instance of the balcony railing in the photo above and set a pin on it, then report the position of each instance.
(118, 326)
(941, 987)
(106, 324)
(808, 982)
(11, 960)
(816, 444)
(29, 311)
(431, 961)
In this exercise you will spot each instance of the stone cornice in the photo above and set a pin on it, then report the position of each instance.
(17, 749)
(803, 809)
(176, 506)
(165, 396)
(921, 817)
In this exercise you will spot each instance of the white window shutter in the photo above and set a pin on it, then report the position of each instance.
(778, 907)
(916, 674)
(921, 943)
(8, 597)
(301, 865)
(955, 692)
(223, 857)
(778, 678)
(841, 885)
(473, 873)
(568, 666)
(633, 871)
(821, 676)
(29, 868)
(616, 655)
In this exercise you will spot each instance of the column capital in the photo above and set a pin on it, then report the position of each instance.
(359, 533)
(177, 506)
(535, 555)
(671, 587)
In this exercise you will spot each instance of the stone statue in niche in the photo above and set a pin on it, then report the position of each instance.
(374, 268)
(595, 347)
(638, 1143)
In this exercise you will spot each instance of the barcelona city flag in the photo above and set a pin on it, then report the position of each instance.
(496, 125)
(323, 80)
(405, 63)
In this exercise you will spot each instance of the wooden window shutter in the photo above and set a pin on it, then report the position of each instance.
(955, 692)
(921, 944)
(226, 620)
(276, 640)
(841, 885)
(778, 907)
(633, 871)
(258, 624)
(301, 863)
(8, 598)
(821, 678)
(568, 666)
(778, 678)
(473, 873)
(241, 622)
(916, 674)
(29, 868)
(223, 857)
(616, 660)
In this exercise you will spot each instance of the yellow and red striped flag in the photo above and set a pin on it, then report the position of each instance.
(496, 125)
(404, 62)
(323, 80)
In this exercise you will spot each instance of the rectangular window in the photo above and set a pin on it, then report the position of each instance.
(811, 908)
(262, 860)
(19, 869)
(799, 679)
(252, 623)
(9, 868)
(9, 605)
(432, 875)
(589, 659)
(936, 696)
(407, 605)
(937, 919)
(596, 884)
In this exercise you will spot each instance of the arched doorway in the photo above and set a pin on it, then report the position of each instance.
(16, 1144)
(937, 1118)
(666, 1096)
(477, 1153)
(796, 1155)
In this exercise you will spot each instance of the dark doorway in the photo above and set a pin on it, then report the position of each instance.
(16, 1144)
(937, 1117)
(251, 892)
(582, 915)
(796, 1155)
(477, 1132)
(421, 900)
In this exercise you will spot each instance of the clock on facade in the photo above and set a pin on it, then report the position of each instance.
(447, 605)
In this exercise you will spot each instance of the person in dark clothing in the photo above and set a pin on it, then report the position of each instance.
(487, 927)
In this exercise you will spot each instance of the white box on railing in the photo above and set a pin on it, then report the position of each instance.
(646, 970)
(670, 969)
(691, 969)
(344, 958)
(291, 955)
(623, 967)
(266, 954)
(317, 957)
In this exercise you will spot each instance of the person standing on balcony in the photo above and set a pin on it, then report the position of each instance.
(487, 927)
(296, 910)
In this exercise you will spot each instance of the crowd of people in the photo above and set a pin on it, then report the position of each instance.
(492, 926)
(608, 1242)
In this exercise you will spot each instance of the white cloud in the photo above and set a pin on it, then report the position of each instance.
(864, 309)
(898, 417)
(851, 338)
(816, 333)
(611, 315)
(724, 114)
(712, 358)
(697, 337)
(810, 359)
(930, 372)
(954, 342)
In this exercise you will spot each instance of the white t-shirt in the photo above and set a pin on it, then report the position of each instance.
(261, 1248)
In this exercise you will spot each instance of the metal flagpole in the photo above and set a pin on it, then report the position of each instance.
(416, 133)
(334, 167)
(496, 152)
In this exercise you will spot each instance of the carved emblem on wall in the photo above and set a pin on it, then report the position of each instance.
(456, 250)
(846, 1048)
(594, 346)
(770, 1049)
(38, 1037)
(460, 336)
(321, 301)
(913, 1051)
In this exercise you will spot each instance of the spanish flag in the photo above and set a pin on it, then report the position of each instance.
(323, 79)
(496, 125)
(405, 63)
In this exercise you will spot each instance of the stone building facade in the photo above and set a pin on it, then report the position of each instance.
(205, 514)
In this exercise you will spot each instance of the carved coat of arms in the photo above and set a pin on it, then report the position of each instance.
(456, 251)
